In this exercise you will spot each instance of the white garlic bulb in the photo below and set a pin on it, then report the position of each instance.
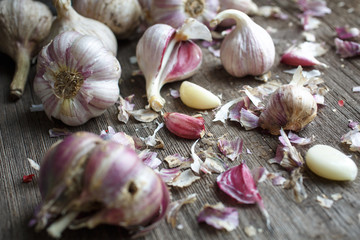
(121, 16)
(77, 78)
(248, 49)
(23, 26)
(69, 20)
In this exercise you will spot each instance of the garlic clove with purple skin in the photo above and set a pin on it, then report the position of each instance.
(248, 49)
(166, 55)
(24, 24)
(77, 78)
(290, 107)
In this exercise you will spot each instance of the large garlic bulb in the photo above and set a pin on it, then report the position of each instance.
(77, 78)
(23, 26)
(121, 16)
(69, 20)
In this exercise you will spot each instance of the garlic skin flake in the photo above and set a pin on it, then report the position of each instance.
(248, 49)
(197, 97)
(165, 54)
(77, 78)
(69, 20)
(24, 24)
(121, 16)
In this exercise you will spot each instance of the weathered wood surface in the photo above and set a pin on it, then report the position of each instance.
(24, 134)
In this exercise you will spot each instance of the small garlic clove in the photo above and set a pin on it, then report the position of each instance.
(197, 97)
(185, 126)
(304, 55)
(330, 163)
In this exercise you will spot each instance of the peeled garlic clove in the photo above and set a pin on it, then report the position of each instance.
(24, 24)
(291, 107)
(69, 20)
(175, 12)
(121, 16)
(77, 78)
(330, 163)
(248, 49)
(166, 55)
(197, 97)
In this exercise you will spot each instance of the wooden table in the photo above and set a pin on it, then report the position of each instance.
(24, 134)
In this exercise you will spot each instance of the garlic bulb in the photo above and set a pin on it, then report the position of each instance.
(175, 12)
(165, 54)
(248, 49)
(121, 16)
(77, 78)
(23, 26)
(69, 20)
(290, 107)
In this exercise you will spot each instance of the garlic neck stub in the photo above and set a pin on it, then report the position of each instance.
(194, 7)
(24, 24)
(166, 55)
(77, 78)
(69, 20)
(248, 49)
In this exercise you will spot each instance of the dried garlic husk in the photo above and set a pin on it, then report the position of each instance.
(77, 78)
(165, 54)
(248, 49)
(23, 26)
(69, 20)
(121, 16)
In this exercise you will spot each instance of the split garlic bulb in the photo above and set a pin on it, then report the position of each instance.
(121, 16)
(77, 78)
(248, 49)
(175, 12)
(69, 20)
(24, 24)
(290, 107)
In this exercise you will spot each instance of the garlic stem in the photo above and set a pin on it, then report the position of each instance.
(239, 17)
(22, 69)
(60, 225)
(63, 8)
(155, 100)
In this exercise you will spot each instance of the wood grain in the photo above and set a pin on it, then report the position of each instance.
(24, 134)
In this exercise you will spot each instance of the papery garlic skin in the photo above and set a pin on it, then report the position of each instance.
(121, 16)
(69, 20)
(248, 49)
(77, 78)
(24, 24)
(175, 12)
(166, 55)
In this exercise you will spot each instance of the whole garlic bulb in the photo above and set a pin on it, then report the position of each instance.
(290, 107)
(121, 16)
(175, 12)
(77, 78)
(69, 20)
(24, 24)
(248, 49)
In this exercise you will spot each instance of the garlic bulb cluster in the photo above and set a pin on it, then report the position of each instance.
(69, 20)
(165, 54)
(77, 78)
(248, 49)
(121, 16)
(290, 107)
(24, 24)
(86, 181)
(175, 12)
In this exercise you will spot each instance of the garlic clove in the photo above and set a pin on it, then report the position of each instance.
(185, 126)
(304, 54)
(24, 24)
(197, 97)
(248, 49)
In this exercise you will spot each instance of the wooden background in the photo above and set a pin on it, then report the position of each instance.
(24, 134)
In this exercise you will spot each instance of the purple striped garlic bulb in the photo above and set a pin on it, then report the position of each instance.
(175, 12)
(165, 54)
(248, 49)
(77, 78)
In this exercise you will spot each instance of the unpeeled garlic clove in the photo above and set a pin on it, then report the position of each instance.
(185, 126)
(24, 24)
(197, 97)
(248, 49)
(330, 163)
(165, 54)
